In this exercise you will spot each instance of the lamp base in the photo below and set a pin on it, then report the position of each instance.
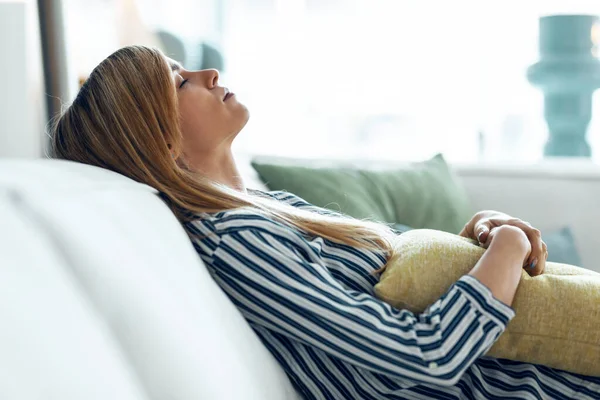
(568, 73)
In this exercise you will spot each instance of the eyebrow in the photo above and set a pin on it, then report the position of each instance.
(175, 66)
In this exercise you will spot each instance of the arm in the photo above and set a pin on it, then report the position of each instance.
(270, 278)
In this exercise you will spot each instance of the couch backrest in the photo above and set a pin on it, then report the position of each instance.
(102, 296)
(552, 195)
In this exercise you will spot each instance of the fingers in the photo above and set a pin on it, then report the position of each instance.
(536, 262)
(537, 248)
(539, 268)
(488, 239)
(468, 230)
(482, 231)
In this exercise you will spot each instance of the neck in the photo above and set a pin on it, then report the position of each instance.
(220, 167)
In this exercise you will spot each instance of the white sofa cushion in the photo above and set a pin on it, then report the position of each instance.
(140, 280)
(53, 342)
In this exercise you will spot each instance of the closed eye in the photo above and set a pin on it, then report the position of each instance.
(182, 83)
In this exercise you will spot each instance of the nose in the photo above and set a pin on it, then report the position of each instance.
(210, 77)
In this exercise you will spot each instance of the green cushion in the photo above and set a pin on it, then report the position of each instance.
(421, 195)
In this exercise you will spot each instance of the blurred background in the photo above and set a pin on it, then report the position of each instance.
(102, 295)
(347, 78)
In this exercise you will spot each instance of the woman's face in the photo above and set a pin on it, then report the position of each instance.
(211, 116)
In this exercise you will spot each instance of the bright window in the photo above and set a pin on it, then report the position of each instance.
(393, 79)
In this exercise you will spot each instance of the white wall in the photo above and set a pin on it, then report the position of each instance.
(22, 107)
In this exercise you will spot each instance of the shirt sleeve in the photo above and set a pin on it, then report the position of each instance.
(267, 273)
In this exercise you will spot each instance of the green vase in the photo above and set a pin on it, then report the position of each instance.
(567, 73)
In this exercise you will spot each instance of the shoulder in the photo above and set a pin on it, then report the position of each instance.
(295, 201)
(282, 196)
(241, 221)
(208, 230)
(245, 234)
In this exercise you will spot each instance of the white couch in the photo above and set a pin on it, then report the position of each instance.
(102, 296)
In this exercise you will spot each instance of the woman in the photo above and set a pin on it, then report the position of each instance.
(303, 276)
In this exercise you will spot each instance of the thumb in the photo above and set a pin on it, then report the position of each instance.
(481, 233)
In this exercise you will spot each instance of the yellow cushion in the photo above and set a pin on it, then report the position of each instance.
(557, 321)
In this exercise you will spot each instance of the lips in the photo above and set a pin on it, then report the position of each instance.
(226, 94)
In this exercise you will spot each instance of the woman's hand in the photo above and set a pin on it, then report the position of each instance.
(500, 266)
(482, 223)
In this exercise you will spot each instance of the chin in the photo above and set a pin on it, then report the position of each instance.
(244, 117)
(241, 120)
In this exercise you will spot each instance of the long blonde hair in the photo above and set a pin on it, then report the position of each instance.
(125, 117)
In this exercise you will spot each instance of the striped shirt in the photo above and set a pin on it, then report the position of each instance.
(311, 302)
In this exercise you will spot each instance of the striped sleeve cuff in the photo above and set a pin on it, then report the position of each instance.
(482, 298)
